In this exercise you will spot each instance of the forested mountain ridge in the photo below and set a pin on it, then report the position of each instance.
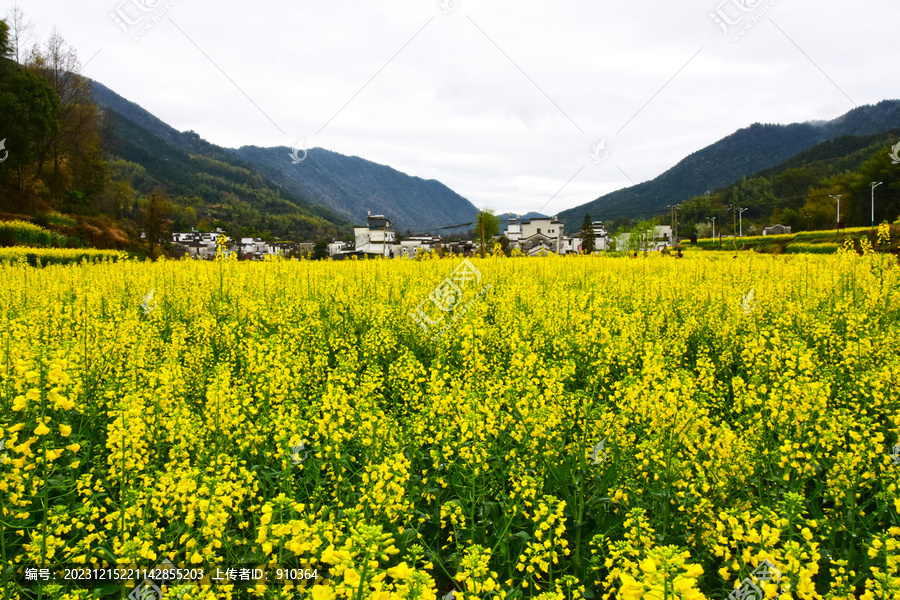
(352, 187)
(349, 186)
(101, 177)
(802, 192)
(741, 154)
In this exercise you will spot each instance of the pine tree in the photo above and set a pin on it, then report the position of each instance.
(587, 235)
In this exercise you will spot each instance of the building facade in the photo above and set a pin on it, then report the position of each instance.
(377, 238)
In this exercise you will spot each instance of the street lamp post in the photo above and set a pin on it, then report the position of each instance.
(838, 198)
(713, 219)
(874, 185)
(741, 221)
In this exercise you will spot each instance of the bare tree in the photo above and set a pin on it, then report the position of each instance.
(20, 31)
(58, 64)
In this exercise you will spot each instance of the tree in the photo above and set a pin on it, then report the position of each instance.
(587, 235)
(641, 237)
(76, 143)
(320, 250)
(5, 49)
(504, 245)
(28, 112)
(156, 209)
(486, 227)
(792, 185)
(19, 32)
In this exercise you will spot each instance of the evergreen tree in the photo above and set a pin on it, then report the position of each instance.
(587, 235)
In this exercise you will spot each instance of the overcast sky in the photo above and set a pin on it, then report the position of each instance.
(503, 101)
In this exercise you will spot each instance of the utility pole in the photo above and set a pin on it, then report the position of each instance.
(741, 220)
(713, 219)
(838, 198)
(482, 235)
(673, 208)
(677, 206)
(874, 185)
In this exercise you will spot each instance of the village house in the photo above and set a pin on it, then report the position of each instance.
(535, 236)
(203, 246)
(376, 238)
(339, 247)
(253, 247)
(198, 245)
(660, 239)
(411, 246)
(576, 243)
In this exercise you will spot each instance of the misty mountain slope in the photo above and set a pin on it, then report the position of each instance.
(743, 153)
(352, 186)
(333, 186)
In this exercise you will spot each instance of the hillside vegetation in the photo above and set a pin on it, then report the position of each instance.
(740, 155)
(92, 177)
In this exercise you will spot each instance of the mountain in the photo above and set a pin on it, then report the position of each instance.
(743, 153)
(347, 185)
(209, 185)
(352, 187)
(846, 153)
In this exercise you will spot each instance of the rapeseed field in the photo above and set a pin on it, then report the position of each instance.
(550, 428)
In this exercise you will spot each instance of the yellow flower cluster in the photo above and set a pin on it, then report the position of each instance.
(593, 427)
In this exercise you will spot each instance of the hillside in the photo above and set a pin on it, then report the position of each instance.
(347, 185)
(213, 188)
(352, 187)
(741, 154)
(831, 157)
(802, 191)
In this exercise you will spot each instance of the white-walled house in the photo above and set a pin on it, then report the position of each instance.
(339, 247)
(601, 238)
(570, 245)
(199, 245)
(660, 240)
(377, 238)
(534, 236)
(255, 246)
(409, 247)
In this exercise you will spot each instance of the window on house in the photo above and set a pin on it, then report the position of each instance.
(539, 229)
